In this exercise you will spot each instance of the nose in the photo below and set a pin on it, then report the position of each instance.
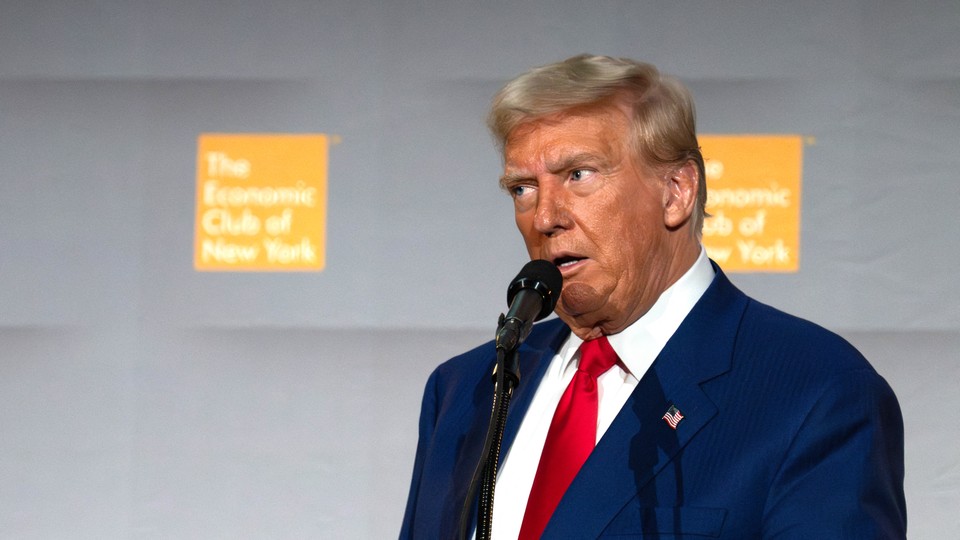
(553, 210)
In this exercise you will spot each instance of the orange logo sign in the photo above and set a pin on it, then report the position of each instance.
(753, 193)
(261, 202)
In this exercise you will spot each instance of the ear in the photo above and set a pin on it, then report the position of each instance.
(680, 196)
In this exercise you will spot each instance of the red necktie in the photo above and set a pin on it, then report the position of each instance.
(571, 438)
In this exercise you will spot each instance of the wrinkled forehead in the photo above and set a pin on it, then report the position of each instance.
(600, 130)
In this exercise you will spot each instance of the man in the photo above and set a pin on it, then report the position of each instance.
(720, 418)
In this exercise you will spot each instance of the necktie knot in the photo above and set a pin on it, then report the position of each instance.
(597, 356)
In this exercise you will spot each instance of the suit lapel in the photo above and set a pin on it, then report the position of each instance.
(639, 444)
(535, 356)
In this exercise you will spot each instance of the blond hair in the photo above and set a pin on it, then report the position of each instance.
(662, 111)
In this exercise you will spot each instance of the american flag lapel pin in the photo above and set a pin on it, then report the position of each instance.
(673, 417)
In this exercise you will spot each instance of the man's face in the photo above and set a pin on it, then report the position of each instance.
(583, 202)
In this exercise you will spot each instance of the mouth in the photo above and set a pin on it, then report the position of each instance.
(567, 262)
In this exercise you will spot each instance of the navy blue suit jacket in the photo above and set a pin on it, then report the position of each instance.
(787, 432)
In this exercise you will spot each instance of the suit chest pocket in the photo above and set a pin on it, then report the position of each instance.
(663, 523)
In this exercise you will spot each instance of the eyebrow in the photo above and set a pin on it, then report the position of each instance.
(570, 162)
(576, 160)
(509, 179)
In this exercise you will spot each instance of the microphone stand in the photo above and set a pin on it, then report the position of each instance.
(506, 376)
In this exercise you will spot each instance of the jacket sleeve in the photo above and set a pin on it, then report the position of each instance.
(842, 476)
(428, 416)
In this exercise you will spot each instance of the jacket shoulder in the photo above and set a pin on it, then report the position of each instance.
(765, 327)
(480, 359)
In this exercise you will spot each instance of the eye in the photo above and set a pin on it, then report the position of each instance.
(580, 174)
(520, 190)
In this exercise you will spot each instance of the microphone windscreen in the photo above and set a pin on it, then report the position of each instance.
(543, 277)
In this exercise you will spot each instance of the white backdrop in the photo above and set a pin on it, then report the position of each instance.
(141, 399)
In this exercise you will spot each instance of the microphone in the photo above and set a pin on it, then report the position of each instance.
(531, 296)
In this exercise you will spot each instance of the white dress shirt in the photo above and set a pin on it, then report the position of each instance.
(637, 346)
